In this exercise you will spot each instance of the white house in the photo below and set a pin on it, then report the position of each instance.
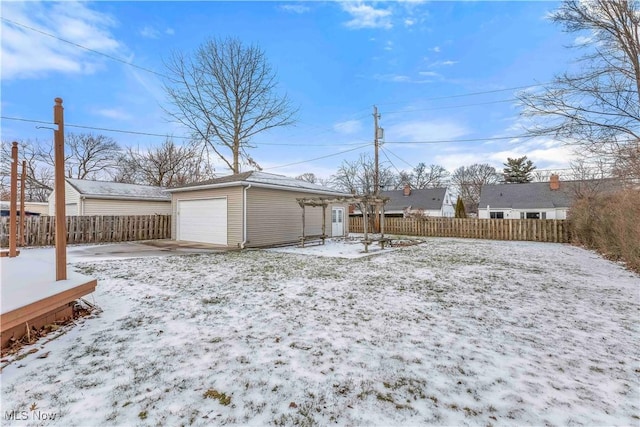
(536, 200)
(434, 202)
(85, 197)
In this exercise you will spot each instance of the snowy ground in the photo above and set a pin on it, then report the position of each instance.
(450, 332)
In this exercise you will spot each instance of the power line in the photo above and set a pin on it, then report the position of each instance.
(114, 58)
(443, 141)
(131, 132)
(318, 158)
(394, 166)
(471, 93)
(410, 110)
(399, 158)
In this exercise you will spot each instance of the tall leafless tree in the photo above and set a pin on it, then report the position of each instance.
(423, 176)
(597, 108)
(357, 176)
(87, 156)
(168, 165)
(468, 181)
(39, 175)
(225, 93)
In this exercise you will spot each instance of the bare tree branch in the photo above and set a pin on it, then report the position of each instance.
(225, 94)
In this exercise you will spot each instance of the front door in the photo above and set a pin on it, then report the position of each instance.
(337, 222)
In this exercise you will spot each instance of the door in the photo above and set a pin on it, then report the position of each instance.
(203, 220)
(337, 222)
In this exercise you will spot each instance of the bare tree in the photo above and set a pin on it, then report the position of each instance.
(357, 176)
(598, 108)
(165, 166)
(468, 181)
(87, 156)
(308, 177)
(423, 176)
(225, 94)
(39, 175)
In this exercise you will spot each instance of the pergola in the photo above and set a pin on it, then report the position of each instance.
(365, 203)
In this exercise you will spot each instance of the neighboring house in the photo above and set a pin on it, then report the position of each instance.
(434, 202)
(85, 197)
(252, 209)
(537, 200)
(30, 208)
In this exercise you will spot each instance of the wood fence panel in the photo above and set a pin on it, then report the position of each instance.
(536, 230)
(40, 230)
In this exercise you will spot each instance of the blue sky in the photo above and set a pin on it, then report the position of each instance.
(419, 62)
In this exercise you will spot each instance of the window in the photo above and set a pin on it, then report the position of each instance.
(496, 215)
(543, 215)
(533, 215)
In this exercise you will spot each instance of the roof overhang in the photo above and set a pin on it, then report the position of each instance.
(257, 185)
(115, 197)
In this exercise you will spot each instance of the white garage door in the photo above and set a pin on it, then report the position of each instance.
(203, 221)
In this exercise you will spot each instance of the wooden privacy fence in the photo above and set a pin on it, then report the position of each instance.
(537, 230)
(40, 230)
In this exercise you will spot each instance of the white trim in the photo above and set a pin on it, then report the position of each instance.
(244, 216)
(226, 201)
(256, 184)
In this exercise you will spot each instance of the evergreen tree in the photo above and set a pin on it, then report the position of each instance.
(460, 212)
(518, 170)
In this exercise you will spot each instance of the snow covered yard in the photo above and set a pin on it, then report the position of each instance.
(450, 332)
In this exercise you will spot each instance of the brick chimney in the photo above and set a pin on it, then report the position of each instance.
(407, 190)
(554, 182)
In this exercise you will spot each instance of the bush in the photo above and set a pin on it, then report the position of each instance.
(610, 224)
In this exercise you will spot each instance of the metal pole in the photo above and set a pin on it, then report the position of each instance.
(13, 201)
(61, 219)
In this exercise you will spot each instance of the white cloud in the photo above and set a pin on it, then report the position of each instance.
(366, 16)
(169, 31)
(388, 45)
(429, 74)
(348, 127)
(408, 22)
(113, 113)
(27, 54)
(438, 64)
(149, 32)
(435, 49)
(419, 130)
(295, 8)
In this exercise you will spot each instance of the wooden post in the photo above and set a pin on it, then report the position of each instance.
(13, 202)
(23, 219)
(365, 219)
(382, 221)
(303, 211)
(61, 231)
(324, 222)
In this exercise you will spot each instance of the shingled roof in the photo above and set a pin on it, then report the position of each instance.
(117, 190)
(260, 179)
(538, 195)
(425, 199)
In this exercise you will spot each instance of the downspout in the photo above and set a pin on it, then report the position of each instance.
(81, 206)
(244, 216)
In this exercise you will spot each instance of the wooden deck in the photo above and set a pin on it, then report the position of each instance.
(31, 295)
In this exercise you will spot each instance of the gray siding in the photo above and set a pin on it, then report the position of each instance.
(124, 207)
(234, 210)
(274, 217)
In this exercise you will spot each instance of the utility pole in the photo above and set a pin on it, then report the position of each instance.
(376, 174)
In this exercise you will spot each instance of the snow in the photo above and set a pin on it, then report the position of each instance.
(118, 189)
(31, 277)
(448, 332)
(285, 181)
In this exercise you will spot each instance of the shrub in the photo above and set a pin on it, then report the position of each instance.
(610, 224)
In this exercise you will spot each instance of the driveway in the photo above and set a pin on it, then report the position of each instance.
(82, 253)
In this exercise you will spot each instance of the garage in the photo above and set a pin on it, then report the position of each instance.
(203, 220)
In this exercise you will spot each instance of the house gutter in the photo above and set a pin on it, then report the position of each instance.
(244, 216)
